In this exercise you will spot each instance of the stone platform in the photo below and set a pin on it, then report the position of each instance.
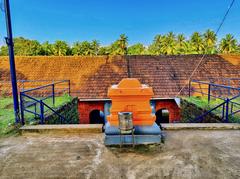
(63, 128)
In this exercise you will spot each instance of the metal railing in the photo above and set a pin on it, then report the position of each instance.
(229, 95)
(213, 90)
(6, 88)
(33, 100)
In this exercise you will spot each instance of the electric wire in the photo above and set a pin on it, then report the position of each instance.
(202, 58)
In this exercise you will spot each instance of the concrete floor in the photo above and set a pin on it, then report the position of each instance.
(185, 154)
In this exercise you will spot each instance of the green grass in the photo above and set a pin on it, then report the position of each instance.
(7, 119)
(203, 103)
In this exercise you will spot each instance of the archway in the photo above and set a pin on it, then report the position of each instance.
(162, 116)
(96, 117)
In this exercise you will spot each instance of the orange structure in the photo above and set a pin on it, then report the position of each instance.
(131, 96)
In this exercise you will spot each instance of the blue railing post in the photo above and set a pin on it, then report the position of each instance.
(227, 108)
(189, 88)
(53, 94)
(35, 109)
(41, 112)
(9, 42)
(209, 93)
(22, 108)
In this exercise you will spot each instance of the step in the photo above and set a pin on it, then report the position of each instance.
(97, 128)
(201, 126)
(64, 128)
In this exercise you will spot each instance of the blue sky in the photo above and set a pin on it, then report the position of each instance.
(105, 20)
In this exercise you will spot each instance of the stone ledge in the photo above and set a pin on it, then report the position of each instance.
(97, 128)
(201, 126)
(65, 128)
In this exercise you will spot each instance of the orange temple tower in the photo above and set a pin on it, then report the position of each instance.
(131, 96)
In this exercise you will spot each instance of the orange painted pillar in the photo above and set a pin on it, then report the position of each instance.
(131, 96)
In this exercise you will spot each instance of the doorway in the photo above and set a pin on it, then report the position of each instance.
(162, 116)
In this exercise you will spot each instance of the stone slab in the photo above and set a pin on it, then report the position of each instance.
(71, 128)
(97, 128)
(201, 126)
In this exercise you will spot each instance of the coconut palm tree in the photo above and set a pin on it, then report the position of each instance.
(157, 46)
(181, 46)
(228, 44)
(123, 43)
(76, 48)
(47, 48)
(197, 43)
(210, 39)
(95, 45)
(136, 49)
(119, 47)
(60, 48)
(169, 44)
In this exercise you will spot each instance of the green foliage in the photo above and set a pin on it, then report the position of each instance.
(136, 49)
(7, 118)
(202, 102)
(197, 43)
(69, 110)
(210, 40)
(47, 49)
(228, 44)
(181, 44)
(104, 50)
(4, 51)
(61, 48)
(119, 47)
(86, 48)
(162, 44)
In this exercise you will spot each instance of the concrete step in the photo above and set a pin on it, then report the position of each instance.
(97, 128)
(201, 126)
(64, 128)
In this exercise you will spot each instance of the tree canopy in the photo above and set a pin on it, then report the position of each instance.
(162, 44)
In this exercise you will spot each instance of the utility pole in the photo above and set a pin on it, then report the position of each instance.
(9, 42)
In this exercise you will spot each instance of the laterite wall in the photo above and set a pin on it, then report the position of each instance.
(172, 107)
(85, 107)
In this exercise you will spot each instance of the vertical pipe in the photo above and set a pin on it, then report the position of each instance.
(9, 41)
(41, 112)
(22, 108)
(227, 107)
(223, 111)
(189, 88)
(53, 94)
(209, 92)
(35, 109)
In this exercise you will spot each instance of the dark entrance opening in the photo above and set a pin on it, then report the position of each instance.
(96, 117)
(162, 116)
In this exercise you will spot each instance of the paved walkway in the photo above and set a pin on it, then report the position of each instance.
(185, 154)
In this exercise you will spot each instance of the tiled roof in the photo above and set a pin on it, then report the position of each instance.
(92, 76)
